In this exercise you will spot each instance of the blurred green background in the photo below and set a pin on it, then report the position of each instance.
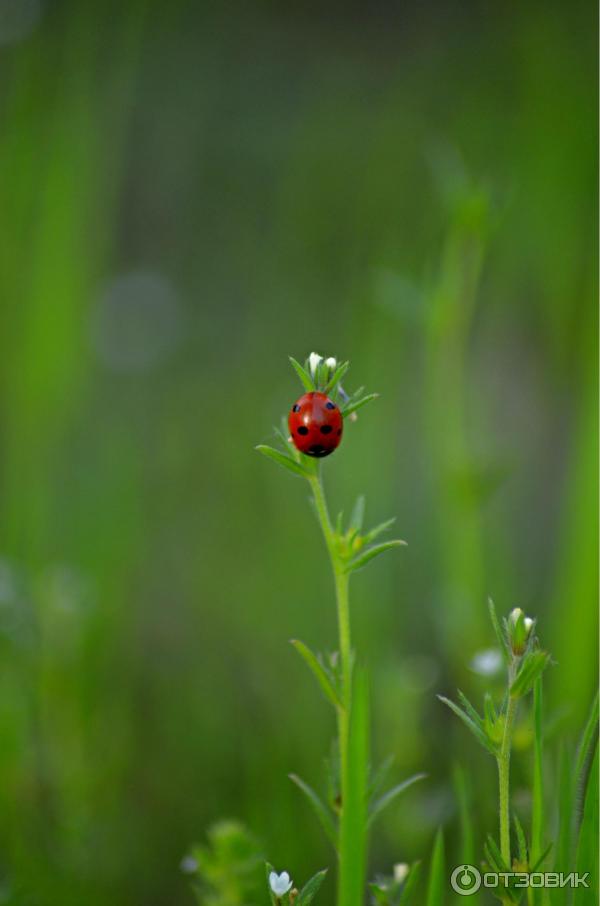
(189, 193)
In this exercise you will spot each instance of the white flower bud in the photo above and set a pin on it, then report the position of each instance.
(314, 360)
(400, 872)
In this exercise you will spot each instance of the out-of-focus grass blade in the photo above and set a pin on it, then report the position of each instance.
(353, 822)
(537, 809)
(565, 804)
(585, 758)
(320, 809)
(380, 804)
(410, 885)
(462, 791)
(437, 874)
(587, 851)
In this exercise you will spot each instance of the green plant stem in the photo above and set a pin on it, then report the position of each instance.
(504, 774)
(343, 613)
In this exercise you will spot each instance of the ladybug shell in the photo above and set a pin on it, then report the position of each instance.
(316, 424)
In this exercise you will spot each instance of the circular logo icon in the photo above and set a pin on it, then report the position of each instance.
(465, 880)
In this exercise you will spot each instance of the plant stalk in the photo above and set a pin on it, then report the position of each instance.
(504, 774)
(343, 613)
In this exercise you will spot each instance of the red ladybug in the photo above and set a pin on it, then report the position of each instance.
(316, 424)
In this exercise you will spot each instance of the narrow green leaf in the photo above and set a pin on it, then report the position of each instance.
(337, 376)
(532, 668)
(353, 406)
(319, 671)
(370, 554)
(470, 709)
(378, 776)
(303, 374)
(378, 530)
(537, 809)
(410, 885)
(320, 809)
(283, 459)
(521, 841)
(380, 804)
(310, 889)
(495, 851)
(437, 875)
(358, 514)
(500, 635)
(353, 822)
(468, 722)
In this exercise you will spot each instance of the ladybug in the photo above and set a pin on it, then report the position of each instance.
(316, 424)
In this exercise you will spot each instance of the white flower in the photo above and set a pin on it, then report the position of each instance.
(400, 872)
(528, 624)
(188, 865)
(331, 363)
(314, 360)
(487, 662)
(280, 884)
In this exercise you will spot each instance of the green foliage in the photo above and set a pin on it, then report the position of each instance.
(325, 676)
(353, 819)
(226, 871)
(324, 815)
(437, 881)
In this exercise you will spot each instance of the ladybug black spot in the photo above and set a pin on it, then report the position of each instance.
(302, 430)
(330, 405)
(295, 408)
(326, 429)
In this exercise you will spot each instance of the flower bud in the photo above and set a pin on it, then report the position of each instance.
(314, 360)
(519, 629)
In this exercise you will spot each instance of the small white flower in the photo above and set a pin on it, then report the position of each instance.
(331, 363)
(280, 884)
(188, 865)
(487, 662)
(400, 872)
(528, 624)
(314, 360)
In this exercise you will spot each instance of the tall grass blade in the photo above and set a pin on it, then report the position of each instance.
(437, 873)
